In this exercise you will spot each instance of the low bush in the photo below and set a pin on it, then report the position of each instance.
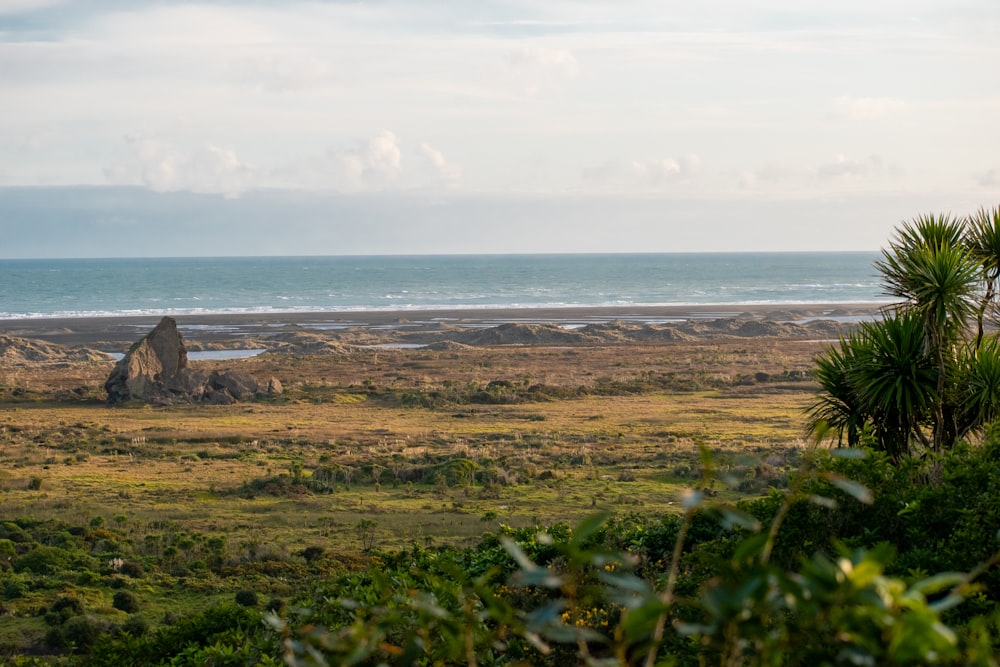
(125, 601)
(246, 598)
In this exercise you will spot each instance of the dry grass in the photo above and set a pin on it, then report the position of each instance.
(183, 465)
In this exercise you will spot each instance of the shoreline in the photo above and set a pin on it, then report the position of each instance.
(116, 330)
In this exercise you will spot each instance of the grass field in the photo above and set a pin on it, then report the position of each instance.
(617, 429)
(367, 450)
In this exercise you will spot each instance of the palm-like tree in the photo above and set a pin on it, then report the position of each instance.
(896, 381)
(879, 379)
(918, 376)
(931, 268)
(983, 240)
(838, 407)
(978, 403)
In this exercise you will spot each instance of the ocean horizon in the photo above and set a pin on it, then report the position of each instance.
(114, 287)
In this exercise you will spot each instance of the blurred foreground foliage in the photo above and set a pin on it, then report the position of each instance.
(861, 561)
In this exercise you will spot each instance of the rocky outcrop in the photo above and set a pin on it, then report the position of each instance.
(155, 370)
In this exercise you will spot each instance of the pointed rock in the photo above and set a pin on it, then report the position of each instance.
(154, 369)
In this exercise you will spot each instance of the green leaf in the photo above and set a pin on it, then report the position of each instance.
(539, 576)
(627, 582)
(858, 491)
(823, 501)
(587, 528)
(849, 453)
(750, 548)
(691, 499)
(733, 518)
(938, 582)
(639, 622)
(517, 553)
(946, 603)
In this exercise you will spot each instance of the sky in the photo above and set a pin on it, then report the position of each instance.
(440, 126)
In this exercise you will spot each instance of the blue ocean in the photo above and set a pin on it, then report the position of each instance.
(181, 286)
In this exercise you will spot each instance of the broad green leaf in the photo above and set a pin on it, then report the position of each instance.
(539, 576)
(690, 499)
(587, 528)
(823, 501)
(848, 453)
(733, 518)
(517, 553)
(627, 582)
(750, 548)
(858, 491)
(938, 582)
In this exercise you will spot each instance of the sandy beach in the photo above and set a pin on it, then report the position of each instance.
(112, 333)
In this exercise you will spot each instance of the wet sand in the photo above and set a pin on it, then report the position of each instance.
(115, 332)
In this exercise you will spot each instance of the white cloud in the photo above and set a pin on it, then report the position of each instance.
(642, 174)
(535, 70)
(555, 60)
(283, 72)
(159, 166)
(372, 165)
(217, 170)
(866, 108)
(275, 84)
(771, 174)
(448, 174)
(844, 167)
(989, 179)
(176, 27)
(19, 6)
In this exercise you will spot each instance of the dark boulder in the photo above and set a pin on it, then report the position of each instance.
(155, 370)
(238, 385)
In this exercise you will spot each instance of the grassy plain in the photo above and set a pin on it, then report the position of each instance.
(416, 445)
(372, 449)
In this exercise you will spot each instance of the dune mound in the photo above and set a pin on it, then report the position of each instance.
(305, 341)
(624, 332)
(827, 328)
(743, 328)
(783, 316)
(17, 351)
(447, 346)
(524, 334)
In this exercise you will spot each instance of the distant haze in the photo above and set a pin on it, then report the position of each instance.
(238, 127)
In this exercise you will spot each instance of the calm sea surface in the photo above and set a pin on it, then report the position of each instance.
(101, 287)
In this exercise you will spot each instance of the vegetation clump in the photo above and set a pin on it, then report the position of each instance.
(927, 374)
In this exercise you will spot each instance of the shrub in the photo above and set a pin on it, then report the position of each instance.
(7, 553)
(43, 560)
(80, 633)
(312, 553)
(246, 598)
(132, 569)
(125, 601)
(14, 587)
(63, 609)
(136, 626)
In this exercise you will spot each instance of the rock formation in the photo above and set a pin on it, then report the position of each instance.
(155, 370)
